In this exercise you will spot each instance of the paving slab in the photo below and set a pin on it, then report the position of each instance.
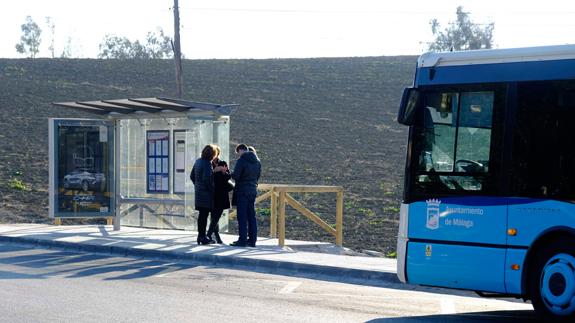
(297, 256)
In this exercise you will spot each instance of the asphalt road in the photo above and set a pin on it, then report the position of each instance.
(42, 285)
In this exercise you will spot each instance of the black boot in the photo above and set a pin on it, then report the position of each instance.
(217, 238)
(214, 226)
(213, 230)
(204, 240)
(209, 235)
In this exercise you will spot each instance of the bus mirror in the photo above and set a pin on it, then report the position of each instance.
(409, 102)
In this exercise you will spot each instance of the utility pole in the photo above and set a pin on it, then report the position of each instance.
(177, 50)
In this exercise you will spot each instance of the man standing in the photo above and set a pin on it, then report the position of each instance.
(246, 175)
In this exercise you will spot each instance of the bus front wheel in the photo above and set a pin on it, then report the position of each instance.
(552, 281)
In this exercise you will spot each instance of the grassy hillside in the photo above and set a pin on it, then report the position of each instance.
(313, 121)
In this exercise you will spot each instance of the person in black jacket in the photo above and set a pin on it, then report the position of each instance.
(222, 189)
(246, 175)
(203, 179)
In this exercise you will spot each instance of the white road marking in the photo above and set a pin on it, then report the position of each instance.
(289, 288)
(160, 266)
(168, 269)
(447, 306)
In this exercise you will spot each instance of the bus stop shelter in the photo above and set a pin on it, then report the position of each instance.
(132, 164)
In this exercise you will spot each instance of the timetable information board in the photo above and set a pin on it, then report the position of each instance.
(158, 155)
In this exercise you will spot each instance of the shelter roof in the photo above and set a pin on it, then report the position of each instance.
(145, 106)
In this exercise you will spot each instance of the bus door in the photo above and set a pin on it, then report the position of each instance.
(457, 233)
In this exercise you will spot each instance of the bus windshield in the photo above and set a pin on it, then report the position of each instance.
(453, 140)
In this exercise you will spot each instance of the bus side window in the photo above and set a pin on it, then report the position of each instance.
(543, 154)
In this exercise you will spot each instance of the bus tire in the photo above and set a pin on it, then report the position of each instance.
(552, 280)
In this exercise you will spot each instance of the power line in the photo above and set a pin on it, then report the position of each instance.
(405, 12)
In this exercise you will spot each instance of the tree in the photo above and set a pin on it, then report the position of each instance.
(67, 51)
(157, 46)
(30, 40)
(116, 47)
(462, 34)
(52, 28)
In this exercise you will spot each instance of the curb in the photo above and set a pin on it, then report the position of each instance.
(260, 265)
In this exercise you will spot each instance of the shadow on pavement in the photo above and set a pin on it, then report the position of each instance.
(183, 241)
(50, 263)
(494, 316)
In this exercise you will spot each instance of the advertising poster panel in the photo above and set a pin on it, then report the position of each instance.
(83, 171)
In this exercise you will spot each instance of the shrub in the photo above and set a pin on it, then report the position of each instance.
(17, 184)
(391, 254)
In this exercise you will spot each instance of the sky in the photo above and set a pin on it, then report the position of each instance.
(283, 28)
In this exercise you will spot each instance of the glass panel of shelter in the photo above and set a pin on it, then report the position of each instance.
(221, 138)
(174, 207)
(145, 155)
(200, 133)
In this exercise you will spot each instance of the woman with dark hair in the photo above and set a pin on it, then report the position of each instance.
(222, 189)
(203, 179)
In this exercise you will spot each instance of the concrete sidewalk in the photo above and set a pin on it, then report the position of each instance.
(304, 257)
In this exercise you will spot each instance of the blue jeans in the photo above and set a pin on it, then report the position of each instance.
(247, 224)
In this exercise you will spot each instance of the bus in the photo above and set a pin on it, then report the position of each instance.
(489, 187)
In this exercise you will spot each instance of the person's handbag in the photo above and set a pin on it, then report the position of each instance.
(230, 185)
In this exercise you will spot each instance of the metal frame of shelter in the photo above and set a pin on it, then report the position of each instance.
(118, 111)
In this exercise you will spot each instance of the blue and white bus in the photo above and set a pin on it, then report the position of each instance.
(489, 192)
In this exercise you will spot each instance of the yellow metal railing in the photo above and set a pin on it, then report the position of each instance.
(279, 197)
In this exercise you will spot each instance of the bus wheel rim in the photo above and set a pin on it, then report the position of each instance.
(558, 284)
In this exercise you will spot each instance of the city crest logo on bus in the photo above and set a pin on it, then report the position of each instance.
(433, 214)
